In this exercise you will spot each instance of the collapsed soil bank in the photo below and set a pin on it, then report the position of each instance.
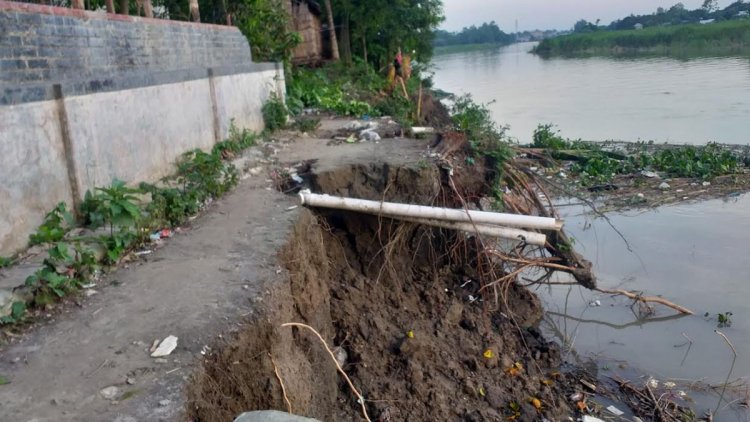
(399, 300)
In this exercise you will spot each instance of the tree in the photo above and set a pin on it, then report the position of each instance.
(710, 6)
(332, 31)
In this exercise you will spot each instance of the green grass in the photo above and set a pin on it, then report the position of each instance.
(462, 48)
(729, 37)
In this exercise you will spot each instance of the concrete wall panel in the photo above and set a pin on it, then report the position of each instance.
(241, 97)
(33, 176)
(136, 135)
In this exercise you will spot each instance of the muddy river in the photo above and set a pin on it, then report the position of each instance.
(693, 254)
(661, 99)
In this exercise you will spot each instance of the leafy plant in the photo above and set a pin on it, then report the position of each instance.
(275, 113)
(17, 312)
(725, 319)
(5, 261)
(307, 124)
(56, 223)
(114, 205)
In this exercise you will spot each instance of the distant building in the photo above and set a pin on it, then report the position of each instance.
(305, 20)
(706, 21)
(638, 26)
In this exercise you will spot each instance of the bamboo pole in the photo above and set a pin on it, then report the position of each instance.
(425, 212)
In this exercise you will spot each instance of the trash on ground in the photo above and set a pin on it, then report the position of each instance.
(369, 135)
(166, 347)
(110, 393)
(589, 418)
(422, 129)
(615, 411)
(144, 252)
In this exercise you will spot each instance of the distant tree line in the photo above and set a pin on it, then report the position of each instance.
(674, 15)
(487, 33)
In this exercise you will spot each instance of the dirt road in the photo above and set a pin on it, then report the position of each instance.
(198, 287)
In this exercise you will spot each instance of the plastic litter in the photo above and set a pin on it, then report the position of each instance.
(369, 135)
(615, 411)
(166, 347)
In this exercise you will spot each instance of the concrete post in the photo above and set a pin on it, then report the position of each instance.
(214, 106)
(67, 146)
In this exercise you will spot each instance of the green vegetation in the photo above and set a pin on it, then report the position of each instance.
(56, 223)
(374, 30)
(486, 34)
(485, 137)
(307, 124)
(355, 90)
(129, 216)
(717, 38)
(594, 165)
(275, 113)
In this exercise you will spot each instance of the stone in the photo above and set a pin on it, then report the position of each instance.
(166, 347)
(664, 186)
(165, 402)
(271, 416)
(110, 393)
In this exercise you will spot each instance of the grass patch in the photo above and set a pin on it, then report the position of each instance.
(716, 39)
(594, 165)
(130, 216)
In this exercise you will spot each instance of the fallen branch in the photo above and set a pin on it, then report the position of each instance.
(283, 389)
(356, 392)
(647, 299)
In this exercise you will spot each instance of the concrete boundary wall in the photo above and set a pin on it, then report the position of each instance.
(77, 131)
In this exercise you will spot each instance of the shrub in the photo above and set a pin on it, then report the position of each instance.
(275, 113)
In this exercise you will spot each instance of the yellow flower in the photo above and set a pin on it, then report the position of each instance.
(488, 354)
(410, 334)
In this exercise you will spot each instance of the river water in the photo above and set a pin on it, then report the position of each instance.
(693, 254)
(662, 99)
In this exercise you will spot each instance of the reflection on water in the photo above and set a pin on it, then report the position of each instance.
(693, 255)
(655, 98)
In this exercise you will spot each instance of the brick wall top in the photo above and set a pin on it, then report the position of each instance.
(89, 52)
(10, 6)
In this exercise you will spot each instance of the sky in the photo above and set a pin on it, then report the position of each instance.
(549, 14)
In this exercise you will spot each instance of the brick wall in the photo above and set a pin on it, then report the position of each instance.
(91, 52)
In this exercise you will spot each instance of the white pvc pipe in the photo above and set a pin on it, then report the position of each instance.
(434, 213)
(532, 238)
